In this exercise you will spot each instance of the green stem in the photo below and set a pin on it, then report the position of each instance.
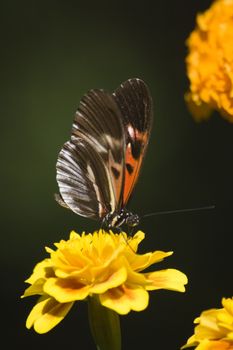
(105, 325)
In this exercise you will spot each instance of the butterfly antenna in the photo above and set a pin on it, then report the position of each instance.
(165, 212)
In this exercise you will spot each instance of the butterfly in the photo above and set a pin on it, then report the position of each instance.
(99, 166)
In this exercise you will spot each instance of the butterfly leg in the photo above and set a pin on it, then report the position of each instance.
(131, 230)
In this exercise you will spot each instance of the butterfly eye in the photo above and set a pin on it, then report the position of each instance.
(132, 220)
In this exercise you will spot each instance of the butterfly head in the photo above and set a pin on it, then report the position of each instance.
(132, 220)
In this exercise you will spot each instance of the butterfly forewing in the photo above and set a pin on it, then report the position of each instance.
(99, 121)
(90, 167)
(134, 100)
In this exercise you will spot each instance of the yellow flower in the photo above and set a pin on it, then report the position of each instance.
(210, 62)
(215, 329)
(103, 265)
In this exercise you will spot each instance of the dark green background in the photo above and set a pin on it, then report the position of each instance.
(52, 52)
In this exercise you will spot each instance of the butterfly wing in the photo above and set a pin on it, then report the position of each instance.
(90, 167)
(134, 100)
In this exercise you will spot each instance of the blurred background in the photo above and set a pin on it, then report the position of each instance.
(52, 52)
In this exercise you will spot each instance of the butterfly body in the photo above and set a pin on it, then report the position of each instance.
(98, 167)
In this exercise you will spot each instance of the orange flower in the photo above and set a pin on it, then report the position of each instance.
(210, 62)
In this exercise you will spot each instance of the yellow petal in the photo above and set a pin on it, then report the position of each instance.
(41, 270)
(158, 256)
(36, 288)
(71, 272)
(125, 298)
(136, 240)
(191, 342)
(115, 279)
(135, 278)
(208, 327)
(171, 279)
(141, 262)
(66, 290)
(74, 235)
(46, 314)
(228, 305)
(225, 320)
(214, 345)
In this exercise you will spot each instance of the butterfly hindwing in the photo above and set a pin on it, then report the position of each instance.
(134, 100)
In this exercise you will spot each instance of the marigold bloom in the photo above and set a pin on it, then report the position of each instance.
(100, 264)
(210, 62)
(215, 329)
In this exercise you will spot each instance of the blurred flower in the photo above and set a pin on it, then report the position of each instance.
(100, 265)
(215, 329)
(210, 62)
